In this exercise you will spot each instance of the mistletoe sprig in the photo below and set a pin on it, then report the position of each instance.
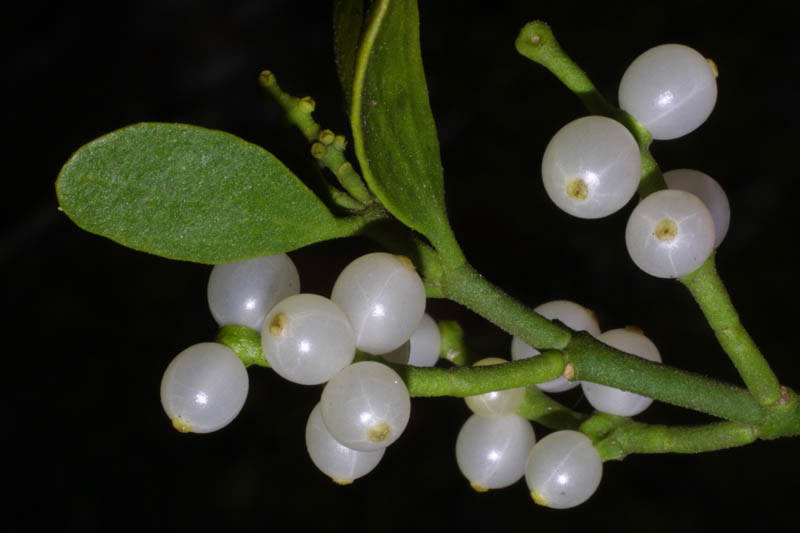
(189, 193)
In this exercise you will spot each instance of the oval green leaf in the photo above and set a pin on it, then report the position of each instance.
(190, 193)
(393, 128)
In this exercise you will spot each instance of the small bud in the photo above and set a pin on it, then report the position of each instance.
(326, 137)
(318, 150)
(339, 142)
(266, 78)
(306, 104)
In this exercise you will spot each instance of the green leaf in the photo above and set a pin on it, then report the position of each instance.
(393, 128)
(348, 22)
(185, 192)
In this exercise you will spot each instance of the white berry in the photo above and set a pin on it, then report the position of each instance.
(307, 339)
(242, 293)
(338, 462)
(670, 234)
(576, 317)
(422, 349)
(491, 453)
(495, 404)
(670, 89)
(204, 388)
(616, 401)
(563, 470)
(426, 343)
(591, 167)
(709, 191)
(366, 406)
(384, 298)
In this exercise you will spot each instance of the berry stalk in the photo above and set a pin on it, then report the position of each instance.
(537, 42)
(634, 437)
(593, 361)
(710, 294)
(326, 147)
(541, 408)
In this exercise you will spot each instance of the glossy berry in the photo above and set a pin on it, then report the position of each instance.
(422, 349)
(243, 293)
(563, 470)
(670, 89)
(615, 401)
(340, 463)
(426, 343)
(495, 404)
(204, 388)
(575, 316)
(491, 453)
(709, 191)
(307, 339)
(591, 167)
(670, 234)
(366, 406)
(383, 297)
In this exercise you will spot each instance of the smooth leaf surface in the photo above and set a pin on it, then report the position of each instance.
(185, 192)
(348, 22)
(393, 128)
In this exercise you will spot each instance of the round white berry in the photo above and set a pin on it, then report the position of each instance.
(242, 293)
(384, 298)
(576, 317)
(491, 453)
(204, 388)
(616, 401)
(422, 349)
(563, 470)
(670, 233)
(591, 167)
(496, 403)
(366, 406)
(426, 343)
(399, 356)
(709, 191)
(307, 339)
(338, 462)
(670, 89)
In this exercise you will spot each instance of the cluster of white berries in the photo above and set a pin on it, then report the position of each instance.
(377, 306)
(592, 166)
(496, 447)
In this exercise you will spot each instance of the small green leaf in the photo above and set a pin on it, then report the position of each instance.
(393, 128)
(189, 193)
(348, 22)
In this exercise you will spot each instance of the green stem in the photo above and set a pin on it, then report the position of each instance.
(599, 425)
(633, 437)
(327, 148)
(591, 360)
(427, 381)
(329, 151)
(541, 408)
(710, 294)
(537, 42)
(536, 405)
(465, 286)
(454, 346)
(471, 380)
(245, 342)
(587, 359)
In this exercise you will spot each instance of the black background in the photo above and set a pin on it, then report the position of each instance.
(92, 325)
